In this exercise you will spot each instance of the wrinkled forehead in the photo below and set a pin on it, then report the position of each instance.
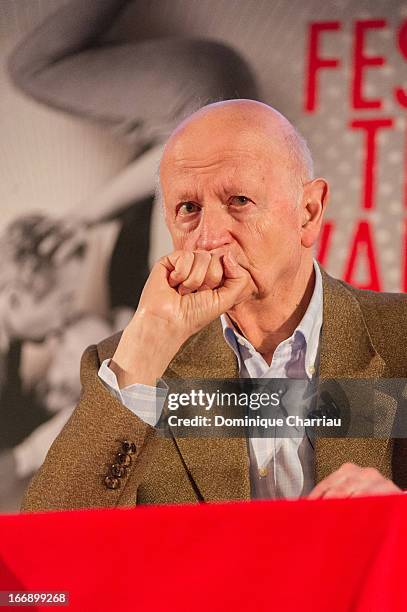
(231, 171)
(227, 159)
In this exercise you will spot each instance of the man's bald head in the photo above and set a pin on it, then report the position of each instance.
(245, 124)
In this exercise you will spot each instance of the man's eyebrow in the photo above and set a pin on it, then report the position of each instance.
(187, 195)
(237, 188)
(229, 187)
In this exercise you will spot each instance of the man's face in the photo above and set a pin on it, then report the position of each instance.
(235, 194)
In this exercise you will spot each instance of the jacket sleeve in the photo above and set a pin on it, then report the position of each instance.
(81, 457)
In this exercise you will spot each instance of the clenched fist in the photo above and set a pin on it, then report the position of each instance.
(188, 290)
(185, 292)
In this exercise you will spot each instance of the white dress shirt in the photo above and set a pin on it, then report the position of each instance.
(279, 467)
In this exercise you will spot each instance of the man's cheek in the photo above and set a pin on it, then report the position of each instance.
(246, 253)
(260, 227)
(185, 240)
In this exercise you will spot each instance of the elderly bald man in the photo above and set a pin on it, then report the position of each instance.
(240, 296)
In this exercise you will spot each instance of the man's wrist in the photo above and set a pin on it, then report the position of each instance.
(145, 349)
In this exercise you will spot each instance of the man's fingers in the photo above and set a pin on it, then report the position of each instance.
(237, 287)
(197, 273)
(328, 484)
(345, 488)
(358, 488)
(191, 271)
(385, 487)
(214, 273)
(182, 268)
(351, 480)
(347, 472)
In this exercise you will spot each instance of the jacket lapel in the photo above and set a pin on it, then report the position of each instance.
(347, 352)
(219, 467)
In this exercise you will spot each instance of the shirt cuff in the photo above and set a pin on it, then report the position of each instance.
(144, 401)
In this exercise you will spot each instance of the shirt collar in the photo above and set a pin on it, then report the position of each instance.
(309, 326)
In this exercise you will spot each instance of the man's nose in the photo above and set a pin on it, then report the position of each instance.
(213, 231)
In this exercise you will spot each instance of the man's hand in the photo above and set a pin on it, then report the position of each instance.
(351, 480)
(187, 290)
(184, 292)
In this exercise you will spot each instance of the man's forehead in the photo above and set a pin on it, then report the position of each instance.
(208, 158)
(221, 149)
(227, 171)
(235, 138)
(214, 145)
(243, 158)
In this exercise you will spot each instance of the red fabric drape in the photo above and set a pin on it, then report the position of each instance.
(334, 555)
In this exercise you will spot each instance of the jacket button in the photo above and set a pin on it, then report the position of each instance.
(123, 459)
(112, 483)
(129, 448)
(117, 470)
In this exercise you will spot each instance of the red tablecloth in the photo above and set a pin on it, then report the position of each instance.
(332, 555)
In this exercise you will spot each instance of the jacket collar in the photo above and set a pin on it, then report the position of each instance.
(347, 349)
(347, 352)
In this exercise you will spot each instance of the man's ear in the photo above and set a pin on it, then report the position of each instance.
(314, 201)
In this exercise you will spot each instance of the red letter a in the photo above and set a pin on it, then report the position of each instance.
(362, 246)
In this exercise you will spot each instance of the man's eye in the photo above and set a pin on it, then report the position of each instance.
(239, 200)
(187, 208)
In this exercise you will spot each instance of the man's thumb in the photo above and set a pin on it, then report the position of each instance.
(236, 284)
(231, 267)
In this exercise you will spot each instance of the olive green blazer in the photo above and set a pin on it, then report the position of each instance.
(363, 336)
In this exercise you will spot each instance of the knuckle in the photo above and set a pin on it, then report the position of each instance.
(211, 284)
(177, 255)
(186, 255)
(213, 277)
(203, 257)
(190, 283)
(175, 274)
(163, 261)
(339, 491)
